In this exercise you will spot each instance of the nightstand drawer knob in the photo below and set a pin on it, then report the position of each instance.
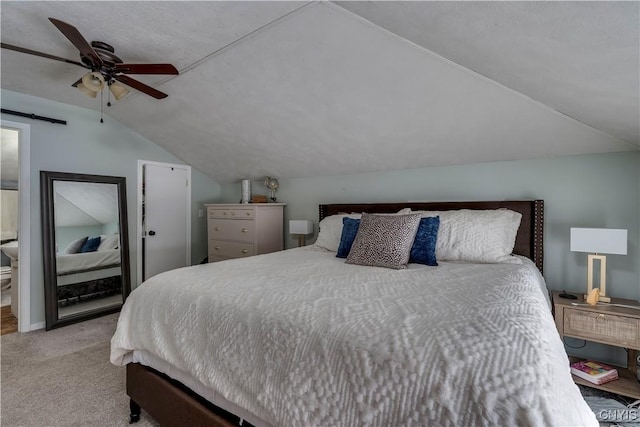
(217, 228)
(217, 248)
(244, 230)
(244, 251)
(601, 317)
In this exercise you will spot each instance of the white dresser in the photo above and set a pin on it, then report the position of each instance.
(242, 230)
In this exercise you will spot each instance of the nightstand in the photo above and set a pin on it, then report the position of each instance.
(612, 325)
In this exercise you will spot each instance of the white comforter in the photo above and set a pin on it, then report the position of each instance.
(300, 338)
(72, 263)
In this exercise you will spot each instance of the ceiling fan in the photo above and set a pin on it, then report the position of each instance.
(105, 67)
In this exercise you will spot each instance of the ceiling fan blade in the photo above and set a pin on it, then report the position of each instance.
(140, 86)
(78, 41)
(146, 69)
(36, 53)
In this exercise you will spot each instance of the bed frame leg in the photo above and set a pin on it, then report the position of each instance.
(134, 417)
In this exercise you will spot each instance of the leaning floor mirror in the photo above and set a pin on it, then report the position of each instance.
(85, 246)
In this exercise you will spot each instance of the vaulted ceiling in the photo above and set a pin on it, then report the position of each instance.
(291, 89)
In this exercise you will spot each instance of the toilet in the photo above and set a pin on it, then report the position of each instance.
(5, 277)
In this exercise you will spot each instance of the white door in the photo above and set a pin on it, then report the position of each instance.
(166, 217)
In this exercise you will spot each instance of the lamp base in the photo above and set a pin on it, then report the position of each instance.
(600, 299)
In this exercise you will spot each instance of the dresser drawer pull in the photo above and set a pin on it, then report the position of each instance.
(217, 228)
(244, 230)
(233, 213)
(224, 213)
(217, 248)
(244, 251)
(248, 213)
(601, 317)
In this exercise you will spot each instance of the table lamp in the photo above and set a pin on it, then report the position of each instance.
(597, 241)
(301, 228)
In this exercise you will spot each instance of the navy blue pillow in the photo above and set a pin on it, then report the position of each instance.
(350, 228)
(423, 250)
(91, 245)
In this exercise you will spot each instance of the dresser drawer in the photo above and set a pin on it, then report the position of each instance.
(241, 230)
(219, 248)
(230, 213)
(602, 327)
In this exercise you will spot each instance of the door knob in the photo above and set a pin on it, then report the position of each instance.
(152, 233)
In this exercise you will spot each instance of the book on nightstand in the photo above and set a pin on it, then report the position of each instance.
(594, 372)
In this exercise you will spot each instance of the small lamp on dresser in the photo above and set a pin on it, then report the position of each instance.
(598, 241)
(300, 228)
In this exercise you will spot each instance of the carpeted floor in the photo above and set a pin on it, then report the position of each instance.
(63, 378)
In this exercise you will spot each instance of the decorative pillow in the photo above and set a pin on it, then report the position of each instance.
(108, 243)
(75, 246)
(486, 236)
(350, 228)
(91, 245)
(423, 250)
(331, 229)
(384, 240)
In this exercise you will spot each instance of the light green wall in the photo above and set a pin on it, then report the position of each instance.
(66, 235)
(579, 191)
(85, 145)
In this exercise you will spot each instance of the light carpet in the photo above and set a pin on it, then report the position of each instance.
(64, 378)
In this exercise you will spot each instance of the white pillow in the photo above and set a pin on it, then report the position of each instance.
(331, 229)
(486, 236)
(108, 243)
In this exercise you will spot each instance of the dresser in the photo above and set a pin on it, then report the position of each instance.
(243, 230)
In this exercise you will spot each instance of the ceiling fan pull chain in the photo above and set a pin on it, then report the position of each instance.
(101, 105)
(109, 95)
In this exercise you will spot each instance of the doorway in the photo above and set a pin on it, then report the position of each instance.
(20, 135)
(164, 218)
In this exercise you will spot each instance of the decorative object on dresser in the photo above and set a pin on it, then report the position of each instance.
(272, 185)
(596, 241)
(246, 191)
(242, 230)
(616, 324)
(300, 228)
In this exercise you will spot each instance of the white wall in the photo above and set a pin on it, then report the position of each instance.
(601, 190)
(85, 145)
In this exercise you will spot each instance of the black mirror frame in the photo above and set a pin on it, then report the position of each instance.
(48, 245)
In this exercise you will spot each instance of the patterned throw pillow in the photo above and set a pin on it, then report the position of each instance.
(384, 240)
(423, 250)
(349, 230)
(75, 246)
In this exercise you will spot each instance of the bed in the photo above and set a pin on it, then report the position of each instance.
(84, 276)
(300, 337)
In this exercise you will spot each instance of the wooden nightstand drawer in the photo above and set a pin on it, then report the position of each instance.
(219, 248)
(231, 213)
(602, 327)
(224, 229)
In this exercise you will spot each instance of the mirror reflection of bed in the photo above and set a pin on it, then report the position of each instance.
(88, 266)
(85, 246)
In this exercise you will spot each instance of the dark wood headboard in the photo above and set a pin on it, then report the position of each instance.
(528, 240)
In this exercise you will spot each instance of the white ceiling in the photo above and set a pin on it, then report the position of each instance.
(292, 89)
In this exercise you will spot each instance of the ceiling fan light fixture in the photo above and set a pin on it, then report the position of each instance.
(93, 81)
(118, 90)
(87, 91)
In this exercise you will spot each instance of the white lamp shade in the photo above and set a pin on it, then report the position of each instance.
(93, 81)
(599, 240)
(118, 90)
(300, 226)
(87, 91)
